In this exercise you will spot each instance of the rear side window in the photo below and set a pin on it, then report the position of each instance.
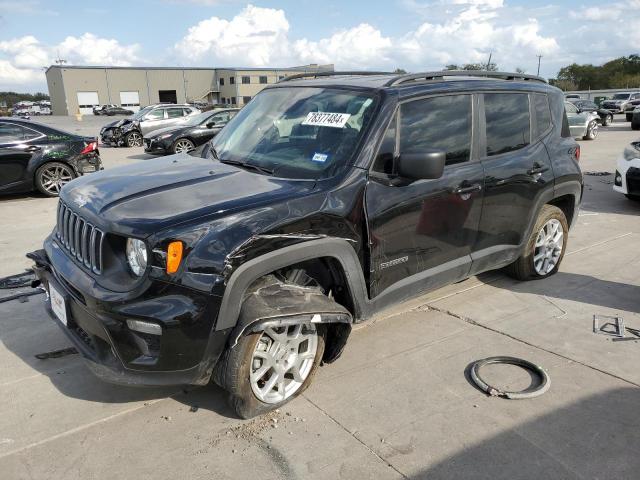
(543, 113)
(507, 120)
(10, 133)
(440, 123)
(174, 113)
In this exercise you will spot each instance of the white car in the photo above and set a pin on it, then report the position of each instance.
(627, 178)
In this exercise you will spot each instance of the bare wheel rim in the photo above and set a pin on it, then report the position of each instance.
(55, 177)
(183, 146)
(548, 247)
(282, 360)
(135, 140)
(593, 130)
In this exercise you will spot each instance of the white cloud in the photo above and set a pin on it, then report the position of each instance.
(597, 14)
(254, 37)
(25, 57)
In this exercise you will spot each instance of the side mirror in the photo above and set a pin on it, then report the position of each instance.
(422, 166)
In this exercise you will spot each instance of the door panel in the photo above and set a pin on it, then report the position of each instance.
(424, 227)
(13, 164)
(154, 120)
(514, 180)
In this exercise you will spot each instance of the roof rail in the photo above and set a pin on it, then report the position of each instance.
(428, 76)
(329, 73)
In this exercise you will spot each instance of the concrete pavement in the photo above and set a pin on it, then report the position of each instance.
(398, 404)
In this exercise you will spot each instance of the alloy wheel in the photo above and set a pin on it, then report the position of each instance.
(282, 360)
(183, 146)
(548, 247)
(55, 177)
(134, 139)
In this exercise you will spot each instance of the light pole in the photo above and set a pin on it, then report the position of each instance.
(539, 58)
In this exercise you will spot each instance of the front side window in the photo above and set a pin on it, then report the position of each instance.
(156, 114)
(543, 113)
(298, 132)
(507, 121)
(439, 123)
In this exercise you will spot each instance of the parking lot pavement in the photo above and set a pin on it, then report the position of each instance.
(396, 405)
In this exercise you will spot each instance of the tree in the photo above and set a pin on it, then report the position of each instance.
(520, 70)
(400, 71)
(622, 72)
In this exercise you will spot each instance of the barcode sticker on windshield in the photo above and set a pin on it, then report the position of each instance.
(326, 119)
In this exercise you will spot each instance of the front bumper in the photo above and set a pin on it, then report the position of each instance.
(152, 145)
(629, 173)
(185, 353)
(110, 137)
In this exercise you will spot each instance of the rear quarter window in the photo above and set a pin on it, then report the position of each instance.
(542, 113)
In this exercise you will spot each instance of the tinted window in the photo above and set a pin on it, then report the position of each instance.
(441, 123)
(507, 119)
(384, 162)
(543, 113)
(174, 112)
(11, 133)
(570, 108)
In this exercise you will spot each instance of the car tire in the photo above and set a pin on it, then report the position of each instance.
(629, 116)
(234, 368)
(608, 120)
(635, 125)
(592, 131)
(183, 145)
(530, 265)
(133, 139)
(635, 198)
(52, 176)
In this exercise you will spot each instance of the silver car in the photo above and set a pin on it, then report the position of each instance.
(581, 124)
(618, 103)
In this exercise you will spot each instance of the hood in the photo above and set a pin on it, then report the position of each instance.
(146, 197)
(162, 131)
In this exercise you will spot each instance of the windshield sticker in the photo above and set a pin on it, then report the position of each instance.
(319, 157)
(325, 119)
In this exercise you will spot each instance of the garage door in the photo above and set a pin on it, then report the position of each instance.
(86, 102)
(130, 101)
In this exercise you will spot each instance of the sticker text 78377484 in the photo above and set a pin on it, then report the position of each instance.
(326, 119)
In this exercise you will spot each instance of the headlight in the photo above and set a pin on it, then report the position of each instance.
(632, 151)
(163, 136)
(137, 256)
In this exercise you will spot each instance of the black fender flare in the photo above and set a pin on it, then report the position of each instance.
(337, 248)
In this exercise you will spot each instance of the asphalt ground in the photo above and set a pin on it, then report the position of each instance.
(398, 403)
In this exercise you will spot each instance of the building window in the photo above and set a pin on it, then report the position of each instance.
(221, 81)
(280, 77)
(263, 79)
(232, 80)
(246, 100)
(246, 80)
(233, 100)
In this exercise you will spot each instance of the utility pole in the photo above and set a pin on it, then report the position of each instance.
(539, 58)
(489, 62)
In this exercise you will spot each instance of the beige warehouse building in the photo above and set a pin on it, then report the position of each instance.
(77, 89)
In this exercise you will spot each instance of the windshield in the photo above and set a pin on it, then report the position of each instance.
(198, 118)
(297, 132)
(620, 96)
(141, 113)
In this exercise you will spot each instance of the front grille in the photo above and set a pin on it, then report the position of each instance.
(80, 238)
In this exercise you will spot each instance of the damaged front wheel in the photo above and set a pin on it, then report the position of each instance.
(267, 369)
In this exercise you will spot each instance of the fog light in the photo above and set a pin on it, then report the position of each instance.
(144, 327)
(618, 179)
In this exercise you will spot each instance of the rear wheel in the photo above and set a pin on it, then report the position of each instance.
(133, 139)
(635, 125)
(608, 120)
(51, 177)
(267, 369)
(183, 145)
(629, 116)
(635, 198)
(545, 248)
(592, 130)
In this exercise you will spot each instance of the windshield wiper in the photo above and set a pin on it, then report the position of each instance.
(249, 166)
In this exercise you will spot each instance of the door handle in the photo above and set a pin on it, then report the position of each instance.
(32, 148)
(537, 169)
(462, 190)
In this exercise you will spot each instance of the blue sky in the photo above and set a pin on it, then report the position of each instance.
(411, 34)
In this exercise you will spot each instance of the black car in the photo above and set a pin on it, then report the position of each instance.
(323, 201)
(629, 109)
(35, 156)
(196, 131)
(111, 111)
(605, 116)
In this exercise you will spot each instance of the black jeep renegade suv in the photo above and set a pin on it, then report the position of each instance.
(325, 200)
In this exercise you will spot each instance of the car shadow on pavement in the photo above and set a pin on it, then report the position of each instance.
(26, 331)
(596, 437)
(574, 287)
